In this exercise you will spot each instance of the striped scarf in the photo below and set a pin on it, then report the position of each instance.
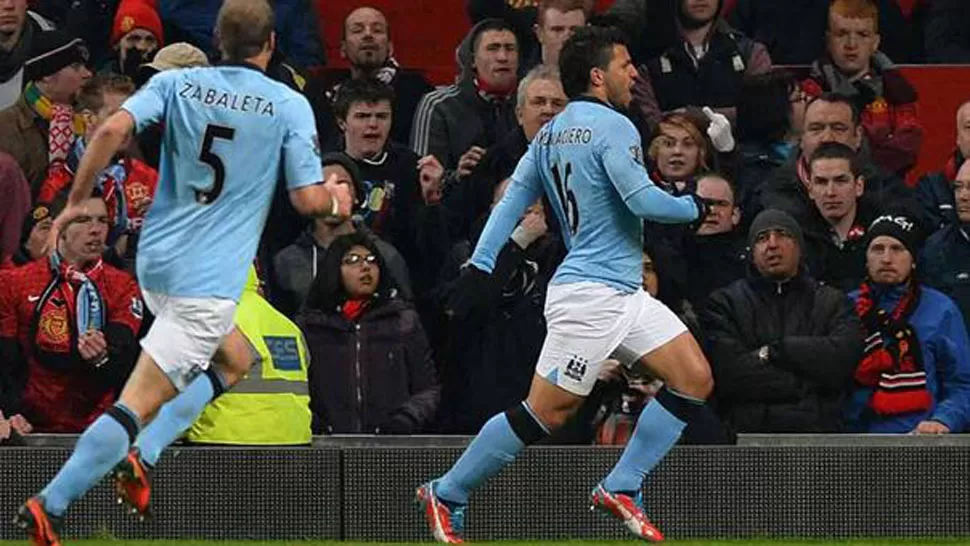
(892, 363)
(63, 125)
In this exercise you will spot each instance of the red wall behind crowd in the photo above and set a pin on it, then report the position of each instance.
(428, 31)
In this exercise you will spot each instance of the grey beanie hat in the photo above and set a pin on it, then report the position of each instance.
(775, 219)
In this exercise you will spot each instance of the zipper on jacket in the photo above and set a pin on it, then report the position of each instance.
(360, 392)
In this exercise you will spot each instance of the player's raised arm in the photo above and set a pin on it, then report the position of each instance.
(522, 192)
(623, 161)
(107, 141)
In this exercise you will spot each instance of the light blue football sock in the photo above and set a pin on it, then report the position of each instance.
(174, 418)
(102, 446)
(657, 431)
(496, 446)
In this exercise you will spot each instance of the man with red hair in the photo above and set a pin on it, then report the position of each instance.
(854, 66)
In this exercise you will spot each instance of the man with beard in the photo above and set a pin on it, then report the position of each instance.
(706, 66)
(366, 44)
(136, 35)
(17, 30)
(914, 376)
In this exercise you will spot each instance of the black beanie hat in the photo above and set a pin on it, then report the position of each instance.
(900, 227)
(52, 50)
(36, 215)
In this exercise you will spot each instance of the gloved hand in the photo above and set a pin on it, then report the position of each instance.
(468, 291)
(719, 129)
(703, 209)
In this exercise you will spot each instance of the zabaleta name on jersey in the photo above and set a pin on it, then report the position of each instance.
(247, 104)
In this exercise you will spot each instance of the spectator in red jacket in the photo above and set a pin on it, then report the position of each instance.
(127, 185)
(854, 66)
(68, 327)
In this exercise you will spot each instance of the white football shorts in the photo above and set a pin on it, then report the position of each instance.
(587, 322)
(186, 333)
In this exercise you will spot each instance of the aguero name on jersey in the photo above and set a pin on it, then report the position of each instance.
(229, 132)
(589, 163)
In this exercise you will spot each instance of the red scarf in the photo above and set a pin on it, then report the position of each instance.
(893, 361)
(493, 94)
(353, 309)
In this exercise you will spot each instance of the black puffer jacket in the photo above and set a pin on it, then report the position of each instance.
(815, 342)
(372, 376)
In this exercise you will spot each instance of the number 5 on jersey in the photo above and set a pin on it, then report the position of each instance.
(566, 197)
(207, 156)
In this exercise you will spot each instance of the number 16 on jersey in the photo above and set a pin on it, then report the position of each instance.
(566, 197)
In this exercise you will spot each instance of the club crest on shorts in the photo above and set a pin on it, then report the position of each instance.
(576, 368)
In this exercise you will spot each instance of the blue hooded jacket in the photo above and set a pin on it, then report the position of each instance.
(946, 359)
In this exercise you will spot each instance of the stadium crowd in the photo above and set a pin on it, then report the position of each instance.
(829, 284)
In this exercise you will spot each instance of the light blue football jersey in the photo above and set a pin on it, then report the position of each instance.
(229, 132)
(589, 162)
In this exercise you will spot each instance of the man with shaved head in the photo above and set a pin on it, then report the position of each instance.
(366, 44)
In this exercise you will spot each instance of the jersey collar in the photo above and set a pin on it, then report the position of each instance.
(594, 100)
(241, 64)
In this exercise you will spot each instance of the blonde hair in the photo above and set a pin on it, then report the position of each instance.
(680, 121)
(243, 28)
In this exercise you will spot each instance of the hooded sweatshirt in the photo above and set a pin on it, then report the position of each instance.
(450, 120)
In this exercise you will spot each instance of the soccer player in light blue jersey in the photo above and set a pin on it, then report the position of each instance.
(589, 164)
(230, 131)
